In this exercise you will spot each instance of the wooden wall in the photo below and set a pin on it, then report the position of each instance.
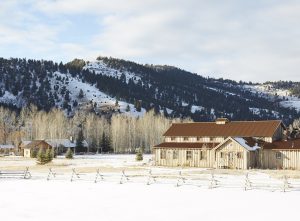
(227, 156)
(290, 159)
(195, 161)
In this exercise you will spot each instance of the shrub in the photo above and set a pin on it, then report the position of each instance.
(44, 157)
(69, 154)
(139, 154)
(33, 153)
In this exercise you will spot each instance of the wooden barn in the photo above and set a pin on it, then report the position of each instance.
(35, 145)
(225, 144)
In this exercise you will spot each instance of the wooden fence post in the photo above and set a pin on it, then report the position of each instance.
(74, 174)
(98, 175)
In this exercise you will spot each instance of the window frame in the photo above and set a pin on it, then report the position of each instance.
(175, 153)
(189, 155)
(239, 155)
(222, 155)
(173, 138)
(203, 154)
(278, 155)
(185, 138)
(163, 154)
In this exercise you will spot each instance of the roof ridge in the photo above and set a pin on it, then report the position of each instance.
(250, 121)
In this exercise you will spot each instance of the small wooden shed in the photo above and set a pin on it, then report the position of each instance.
(35, 146)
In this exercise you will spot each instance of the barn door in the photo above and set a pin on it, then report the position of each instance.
(231, 160)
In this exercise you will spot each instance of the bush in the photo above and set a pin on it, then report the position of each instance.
(33, 153)
(139, 154)
(44, 157)
(69, 154)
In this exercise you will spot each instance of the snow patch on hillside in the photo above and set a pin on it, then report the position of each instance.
(99, 67)
(92, 94)
(271, 93)
(195, 108)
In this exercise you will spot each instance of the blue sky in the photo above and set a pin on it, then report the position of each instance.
(241, 40)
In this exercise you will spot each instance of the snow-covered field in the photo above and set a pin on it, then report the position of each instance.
(168, 197)
(57, 200)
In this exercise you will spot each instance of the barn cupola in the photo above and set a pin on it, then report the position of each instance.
(222, 121)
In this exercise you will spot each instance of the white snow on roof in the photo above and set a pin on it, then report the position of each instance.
(25, 142)
(6, 146)
(243, 143)
(60, 142)
(64, 142)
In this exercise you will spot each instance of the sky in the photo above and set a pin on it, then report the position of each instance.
(236, 39)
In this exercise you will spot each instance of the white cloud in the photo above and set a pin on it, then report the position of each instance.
(237, 39)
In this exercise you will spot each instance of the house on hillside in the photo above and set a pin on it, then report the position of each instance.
(34, 145)
(225, 144)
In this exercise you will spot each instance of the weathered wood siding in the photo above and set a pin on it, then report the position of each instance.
(290, 159)
(198, 159)
(227, 156)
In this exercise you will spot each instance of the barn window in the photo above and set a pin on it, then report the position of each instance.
(239, 155)
(203, 155)
(185, 138)
(198, 138)
(211, 139)
(278, 155)
(163, 154)
(173, 138)
(189, 155)
(175, 154)
(221, 155)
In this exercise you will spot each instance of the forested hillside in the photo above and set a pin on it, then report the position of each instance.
(108, 85)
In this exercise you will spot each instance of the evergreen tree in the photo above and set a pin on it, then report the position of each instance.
(127, 108)
(41, 159)
(139, 154)
(69, 154)
(81, 94)
(79, 142)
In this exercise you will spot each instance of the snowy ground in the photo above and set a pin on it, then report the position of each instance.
(56, 200)
(166, 198)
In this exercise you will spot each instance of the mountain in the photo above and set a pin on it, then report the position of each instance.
(110, 85)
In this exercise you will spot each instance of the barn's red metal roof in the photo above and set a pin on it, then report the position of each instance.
(229, 129)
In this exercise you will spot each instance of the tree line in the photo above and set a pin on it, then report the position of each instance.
(121, 133)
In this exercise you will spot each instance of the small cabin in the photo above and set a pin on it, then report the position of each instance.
(35, 145)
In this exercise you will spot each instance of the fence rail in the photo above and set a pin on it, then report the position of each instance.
(249, 181)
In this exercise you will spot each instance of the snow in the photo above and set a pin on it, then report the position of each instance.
(195, 108)
(99, 67)
(258, 111)
(243, 143)
(91, 93)
(6, 146)
(79, 200)
(268, 91)
(60, 199)
(184, 104)
(8, 98)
